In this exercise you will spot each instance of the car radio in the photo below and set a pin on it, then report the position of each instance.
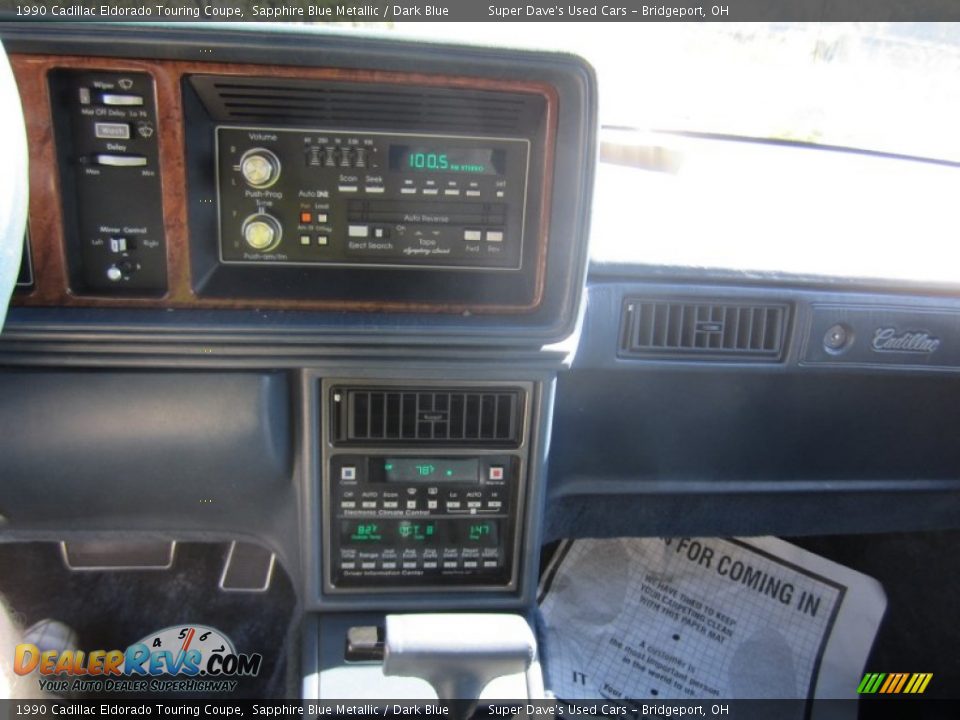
(324, 197)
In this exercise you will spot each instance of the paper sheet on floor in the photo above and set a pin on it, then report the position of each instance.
(704, 618)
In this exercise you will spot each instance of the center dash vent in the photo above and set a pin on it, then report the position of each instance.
(363, 105)
(687, 329)
(477, 416)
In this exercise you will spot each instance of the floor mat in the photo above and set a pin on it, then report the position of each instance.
(114, 609)
(702, 618)
(921, 575)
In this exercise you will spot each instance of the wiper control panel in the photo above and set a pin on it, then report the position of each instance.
(109, 162)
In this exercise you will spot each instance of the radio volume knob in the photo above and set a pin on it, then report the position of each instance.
(260, 167)
(262, 232)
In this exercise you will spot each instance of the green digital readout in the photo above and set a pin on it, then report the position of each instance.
(366, 532)
(422, 532)
(480, 531)
(464, 160)
(454, 470)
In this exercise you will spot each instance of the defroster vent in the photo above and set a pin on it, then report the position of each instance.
(290, 101)
(476, 416)
(688, 329)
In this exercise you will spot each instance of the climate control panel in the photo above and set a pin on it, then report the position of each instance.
(308, 197)
(402, 521)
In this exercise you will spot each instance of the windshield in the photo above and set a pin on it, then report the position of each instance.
(889, 87)
(713, 133)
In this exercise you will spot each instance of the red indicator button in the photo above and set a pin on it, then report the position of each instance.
(496, 472)
(305, 217)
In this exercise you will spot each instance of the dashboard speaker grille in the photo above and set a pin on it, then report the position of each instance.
(355, 105)
(689, 329)
(428, 416)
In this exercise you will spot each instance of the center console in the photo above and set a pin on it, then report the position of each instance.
(378, 242)
(424, 486)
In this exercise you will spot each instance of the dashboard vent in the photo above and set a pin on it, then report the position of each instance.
(348, 105)
(428, 416)
(685, 329)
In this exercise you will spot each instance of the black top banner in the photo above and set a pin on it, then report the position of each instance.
(480, 11)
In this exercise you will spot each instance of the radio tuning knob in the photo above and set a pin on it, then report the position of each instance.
(260, 167)
(262, 232)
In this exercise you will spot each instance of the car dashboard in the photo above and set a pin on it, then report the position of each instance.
(330, 296)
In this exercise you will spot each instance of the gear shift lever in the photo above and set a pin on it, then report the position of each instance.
(458, 654)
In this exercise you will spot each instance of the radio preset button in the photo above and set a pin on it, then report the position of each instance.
(408, 191)
(430, 191)
(473, 193)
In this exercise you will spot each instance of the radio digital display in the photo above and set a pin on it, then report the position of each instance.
(419, 533)
(427, 470)
(475, 161)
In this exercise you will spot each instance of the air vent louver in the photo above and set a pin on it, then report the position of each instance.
(359, 105)
(428, 416)
(687, 329)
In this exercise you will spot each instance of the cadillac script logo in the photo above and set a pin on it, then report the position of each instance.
(886, 339)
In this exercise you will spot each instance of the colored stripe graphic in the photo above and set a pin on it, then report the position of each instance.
(894, 683)
(903, 679)
(870, 683)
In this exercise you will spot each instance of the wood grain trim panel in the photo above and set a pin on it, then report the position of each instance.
(52, 287)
